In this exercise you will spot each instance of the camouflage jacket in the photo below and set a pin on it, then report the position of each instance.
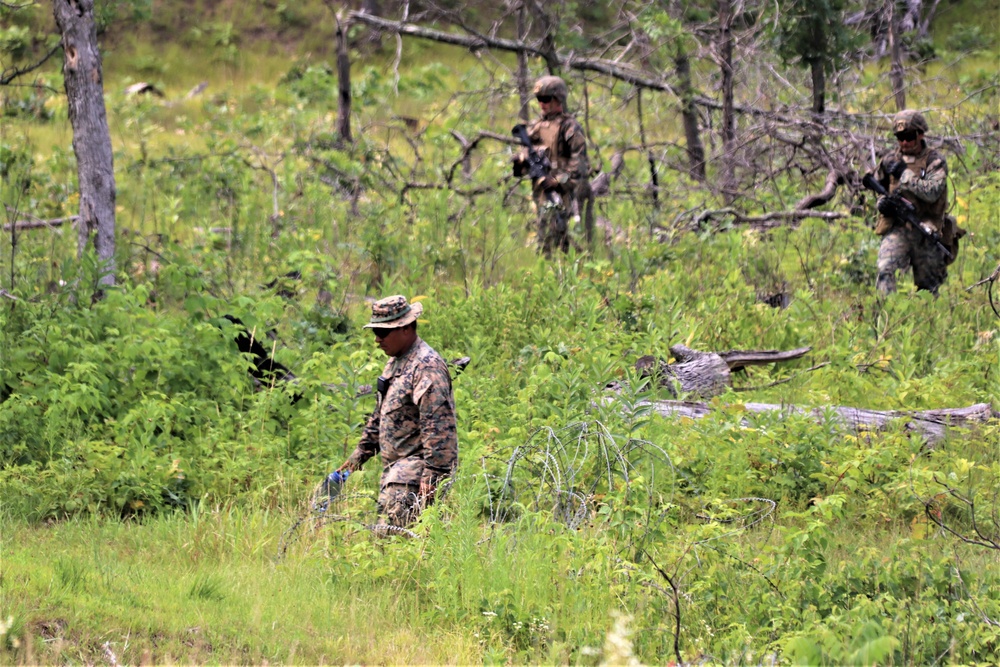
(924, 183)
(560, 137)
(413, 426)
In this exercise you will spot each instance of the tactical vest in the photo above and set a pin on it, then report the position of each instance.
(932, 212)
(549, 133)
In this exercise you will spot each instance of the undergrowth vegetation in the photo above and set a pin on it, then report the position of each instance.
(172, 498)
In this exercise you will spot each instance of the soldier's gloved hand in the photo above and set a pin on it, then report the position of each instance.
(884, 206)
(895, 168)
(334, 481)
(930, 230)
(517, 162)
(549, 183)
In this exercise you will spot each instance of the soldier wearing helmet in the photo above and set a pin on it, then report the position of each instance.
(559, 137)
(919, 174)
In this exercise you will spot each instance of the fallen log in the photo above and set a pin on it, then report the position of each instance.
(707, 374)
(931, 424)
(39, 223)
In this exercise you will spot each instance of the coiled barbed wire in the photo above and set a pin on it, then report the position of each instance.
(322, 508)
(561, 470)
(567, 472)
(741, 522)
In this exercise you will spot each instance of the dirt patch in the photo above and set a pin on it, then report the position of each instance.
(51, 629)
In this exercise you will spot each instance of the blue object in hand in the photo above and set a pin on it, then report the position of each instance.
(333, 482)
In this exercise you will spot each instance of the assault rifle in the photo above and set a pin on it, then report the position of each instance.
(538, 164)
(896, 207)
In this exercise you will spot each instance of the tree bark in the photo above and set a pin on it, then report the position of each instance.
(728, 118)
(84, 81)
(896, 75)
(372, 7)
(707, 374)
(818, 87)
(523, 90)
(689, 114)
(654, 185)
(343, 85)
(548, 42)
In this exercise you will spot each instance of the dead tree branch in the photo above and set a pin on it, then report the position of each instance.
(833, 179)
(979, 535)
(767, 220)
(14, 72)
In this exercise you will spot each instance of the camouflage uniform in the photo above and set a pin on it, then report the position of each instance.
(559, 137)
(924, 184)
(413, 426)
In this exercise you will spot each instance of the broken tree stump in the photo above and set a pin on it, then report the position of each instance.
(707, 374)
(931, 424)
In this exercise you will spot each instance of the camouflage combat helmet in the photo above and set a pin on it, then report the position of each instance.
(551, 85)
(909, 119)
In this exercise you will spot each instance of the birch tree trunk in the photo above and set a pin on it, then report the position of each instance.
(91, 139)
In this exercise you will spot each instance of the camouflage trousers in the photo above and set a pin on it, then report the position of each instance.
(904, 247)
(553, 228)
(399, 505)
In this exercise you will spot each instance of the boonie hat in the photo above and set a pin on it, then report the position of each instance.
(394, 312)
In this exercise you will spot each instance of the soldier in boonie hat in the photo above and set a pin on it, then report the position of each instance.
(413, 425)
(394, 312)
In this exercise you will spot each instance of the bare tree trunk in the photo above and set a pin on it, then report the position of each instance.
(522, 65)
(925, 23)
(689, 114)
(818, 87)
(896, 53)
(548, 43)
(91, 139)
(343, 84)
(728, 117)
(372, 7)
(654, 185)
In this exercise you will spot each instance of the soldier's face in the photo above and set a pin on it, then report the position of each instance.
(909, 141)
(549, 104)
(394, 342)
